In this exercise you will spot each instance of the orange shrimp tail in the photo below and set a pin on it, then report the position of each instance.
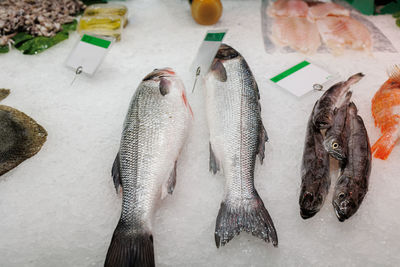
(383, 147)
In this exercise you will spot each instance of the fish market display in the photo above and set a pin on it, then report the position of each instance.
(20, 136)
(301, 25)
(154, 133)
(237, 135)
(352, 184)
(336, 136)
(37, 18)
(315, 179)
(297, 33)
(323, 115)
(386, 112)
(335, 129)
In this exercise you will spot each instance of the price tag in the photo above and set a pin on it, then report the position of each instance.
(207, 51)
(88, 53)
(303, 78)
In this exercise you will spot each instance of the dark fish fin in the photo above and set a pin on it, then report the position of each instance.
(115, 173)
(130, 249)
(172, 180)
(214, 163)
(394, 73)
(219, 71)
(251, 216)
(164, 86)
(354, 78)
(262, 138)
(4, 93)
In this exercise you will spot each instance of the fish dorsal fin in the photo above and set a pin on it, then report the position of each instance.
(262, 138)
(116, 173)
(394, 73)
(214, 162)
(164, 86)
(219, 71)
(4, 93)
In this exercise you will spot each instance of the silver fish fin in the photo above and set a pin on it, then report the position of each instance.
(164, 86)
(169, 185)
(130, 249)
(214, 163)
(4, 93)
(251, 216)
(115, 173)
(219, 71)
(262, 138)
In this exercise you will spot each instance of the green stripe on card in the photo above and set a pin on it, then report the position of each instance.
(214, 36)
(290, 71)
(95, 41)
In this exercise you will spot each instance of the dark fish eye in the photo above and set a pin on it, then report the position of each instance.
(335, 145)
(341, 195)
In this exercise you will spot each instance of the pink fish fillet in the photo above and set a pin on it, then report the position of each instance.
(322, 10)
(344, 32)
(288, 8)
(296, 32)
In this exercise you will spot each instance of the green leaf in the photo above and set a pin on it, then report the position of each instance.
(4, 49)
(21, 37)
(398, 22)
(70, 26)
(396, 15)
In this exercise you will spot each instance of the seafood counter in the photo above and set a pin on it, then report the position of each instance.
(131, 167)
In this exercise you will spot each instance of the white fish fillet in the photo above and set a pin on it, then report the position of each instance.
(296, 32)
(344, 32)
(326, 9)
(288, 8)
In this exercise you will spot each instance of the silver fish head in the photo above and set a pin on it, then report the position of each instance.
(311, 200)
(347, 197)
(335, 148)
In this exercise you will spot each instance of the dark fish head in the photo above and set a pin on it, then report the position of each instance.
(334, 147)
(156, 74)
(311, 201)
(322, 120)
(347, 198)
(226, 52)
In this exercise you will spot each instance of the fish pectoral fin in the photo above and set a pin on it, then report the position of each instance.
(4, 93)
(214, 162)
(164, 86)
(262, 138)
(219, 71)
(169, 186)
(115, 173)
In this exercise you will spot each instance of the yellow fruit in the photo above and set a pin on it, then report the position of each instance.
(206, 12)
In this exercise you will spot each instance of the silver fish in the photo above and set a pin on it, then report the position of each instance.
(323, 115)
(352, 184)
(237, 135)
(154, 133)
(315, 179)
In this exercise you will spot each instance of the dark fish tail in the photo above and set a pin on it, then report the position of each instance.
(250, 216)
(129, 249)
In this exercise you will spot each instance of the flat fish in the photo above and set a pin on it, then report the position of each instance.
(352, 184)
(323, 10)
(288, 8)
(154, 132)
(296, 32)
(323, 115)
(237, 136)
(315, 179)
(343, 32)
(21, 137)
(386, 112)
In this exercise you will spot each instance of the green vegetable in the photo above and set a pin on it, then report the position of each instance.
(398, 22)
(4, 49)
(396, 15)
(91, 2)
(30, 45)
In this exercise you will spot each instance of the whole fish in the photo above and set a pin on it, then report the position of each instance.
(315, 179)
(154, 133)
(237, 135)
(323, 116)
(386, 112)
(335, 141)
(352, 184)
(21, 137)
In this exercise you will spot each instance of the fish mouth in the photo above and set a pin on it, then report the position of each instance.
(340, 213)
(159, 73)
(306, 214)
(226, 52)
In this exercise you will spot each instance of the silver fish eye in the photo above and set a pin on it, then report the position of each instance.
(341, 195)
(335, 145)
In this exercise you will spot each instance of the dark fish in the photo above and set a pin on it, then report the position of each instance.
(352, 184)
(20, 136)
(154, 132)
(237, 136)
(315, 179)
(323, 116)
(335, 142)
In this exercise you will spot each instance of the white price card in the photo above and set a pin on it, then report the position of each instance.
(207, 51)
(88, 53)
(303, 78)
